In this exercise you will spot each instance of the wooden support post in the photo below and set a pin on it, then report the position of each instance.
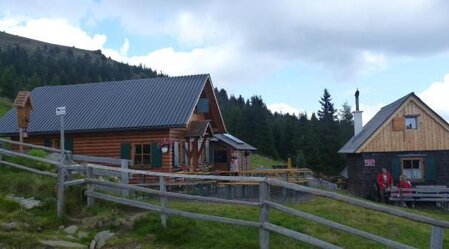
(202, 147)
(1, 157)
(90, 186)
(195, 156)
(124, 178)
(60, 186)
(264, 195)
(163, 188)
(189, 154)
(436, 239)
(21, 139)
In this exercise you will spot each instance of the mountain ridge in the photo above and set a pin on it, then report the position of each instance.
(27, 63)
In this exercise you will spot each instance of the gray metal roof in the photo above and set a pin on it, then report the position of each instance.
(119, 105)
(371, 127)
(233, 141)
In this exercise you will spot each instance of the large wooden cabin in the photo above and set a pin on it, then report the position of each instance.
(407, 138)
(135, 119)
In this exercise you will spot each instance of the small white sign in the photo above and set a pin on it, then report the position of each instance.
(60, 111)
(370, 162)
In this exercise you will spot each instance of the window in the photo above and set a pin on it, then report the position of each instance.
(179, 154)
(55, 143)
(142, 155)
(220, 156)
(202, 106)
(411, 122)
(413, 168)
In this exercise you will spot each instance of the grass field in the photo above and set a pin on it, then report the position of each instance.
(260, 161)
(5, 106)
(186, 233)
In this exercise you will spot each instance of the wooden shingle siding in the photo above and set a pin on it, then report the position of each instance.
(430, 135)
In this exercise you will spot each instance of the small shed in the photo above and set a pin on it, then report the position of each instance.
(224, 146)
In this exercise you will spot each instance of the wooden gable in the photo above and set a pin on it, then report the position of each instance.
(213, 113)
(431, 132)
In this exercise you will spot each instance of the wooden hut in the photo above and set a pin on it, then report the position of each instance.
(160, 124)
(225, 146)
(407, 138)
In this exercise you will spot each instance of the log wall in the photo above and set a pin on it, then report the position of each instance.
(107, 144)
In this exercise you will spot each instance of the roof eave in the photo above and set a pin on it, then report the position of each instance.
(40, 133)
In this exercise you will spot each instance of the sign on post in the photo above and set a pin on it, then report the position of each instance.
(60, 111)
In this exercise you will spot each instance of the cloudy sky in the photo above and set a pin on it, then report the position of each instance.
(286, 51)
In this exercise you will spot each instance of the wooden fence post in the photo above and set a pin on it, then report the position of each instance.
(1, 157)
(60, 186)
(436, 239)
(264, 195)
(124, 178)
(90, 186)
(163, 188)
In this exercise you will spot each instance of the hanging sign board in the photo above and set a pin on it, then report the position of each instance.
(370, 162)
(60, 111)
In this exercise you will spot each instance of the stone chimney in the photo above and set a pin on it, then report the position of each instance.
(358, 122)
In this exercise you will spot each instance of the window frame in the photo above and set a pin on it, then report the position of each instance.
(203, 105)
(421, 168)
(411, 117)
(141, 154)
(56, 143)
(221, 156)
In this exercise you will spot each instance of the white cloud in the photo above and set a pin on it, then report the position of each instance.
(284, 109)
(72, 11)
(436, 96)
(348, 39)
(373, 61)
(125, 47)
(57, 31)
(224, 62)
(369, 111)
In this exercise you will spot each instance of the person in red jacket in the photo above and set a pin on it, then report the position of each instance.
(384, 181)
(404, 191)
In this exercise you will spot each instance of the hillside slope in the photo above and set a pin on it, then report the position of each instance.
(26, 63)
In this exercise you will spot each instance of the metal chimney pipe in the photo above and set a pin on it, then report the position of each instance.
(358, 121)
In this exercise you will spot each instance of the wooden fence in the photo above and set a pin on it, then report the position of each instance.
(264, 204)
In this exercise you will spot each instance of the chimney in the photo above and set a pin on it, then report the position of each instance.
(358, 123)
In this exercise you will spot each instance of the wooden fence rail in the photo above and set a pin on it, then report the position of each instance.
(264, 204)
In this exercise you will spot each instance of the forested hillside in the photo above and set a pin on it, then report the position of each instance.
(26, 64)
(311, 141)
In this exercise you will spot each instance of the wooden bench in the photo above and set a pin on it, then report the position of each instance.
(438, 194)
